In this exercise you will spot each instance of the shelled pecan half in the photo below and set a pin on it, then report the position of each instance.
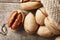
(15, 19)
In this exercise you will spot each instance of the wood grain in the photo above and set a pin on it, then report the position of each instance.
(9, 1)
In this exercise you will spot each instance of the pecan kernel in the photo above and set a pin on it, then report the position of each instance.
(15, 19)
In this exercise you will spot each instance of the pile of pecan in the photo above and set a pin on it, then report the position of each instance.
(17, 16)
(40, 23)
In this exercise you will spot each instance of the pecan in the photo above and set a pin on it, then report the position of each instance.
(15, 19)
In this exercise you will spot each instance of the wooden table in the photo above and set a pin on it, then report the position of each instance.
(6, 7)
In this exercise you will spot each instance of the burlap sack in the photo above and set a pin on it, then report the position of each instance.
(53, 10)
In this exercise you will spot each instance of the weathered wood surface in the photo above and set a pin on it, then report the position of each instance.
(6, 7)
(9, 1)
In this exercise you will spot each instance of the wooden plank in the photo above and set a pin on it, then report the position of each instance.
(9, 1)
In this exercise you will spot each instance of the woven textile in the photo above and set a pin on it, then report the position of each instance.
(52, 9)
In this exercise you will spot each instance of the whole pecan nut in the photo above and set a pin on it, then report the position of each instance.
(15, 19)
